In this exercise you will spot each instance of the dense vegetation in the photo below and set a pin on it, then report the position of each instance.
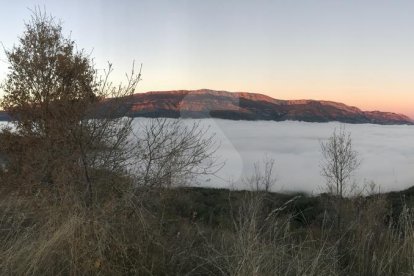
(197, 231)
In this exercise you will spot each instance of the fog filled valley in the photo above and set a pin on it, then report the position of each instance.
(386, 153)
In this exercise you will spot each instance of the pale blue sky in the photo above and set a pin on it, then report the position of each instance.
(357, 52)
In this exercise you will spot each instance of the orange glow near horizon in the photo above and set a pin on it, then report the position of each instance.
(359, 53)
(355, 52)
(381, 93)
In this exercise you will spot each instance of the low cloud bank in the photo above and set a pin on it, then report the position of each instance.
(386, 153)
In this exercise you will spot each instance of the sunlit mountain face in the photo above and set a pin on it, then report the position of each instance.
(207, 103)
(249, 106)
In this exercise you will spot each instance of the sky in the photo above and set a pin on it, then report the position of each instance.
(357, 52)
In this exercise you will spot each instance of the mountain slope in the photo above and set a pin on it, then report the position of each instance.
(250, 106)
(243, 106)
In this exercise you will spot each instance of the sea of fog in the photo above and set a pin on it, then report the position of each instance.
(386, 153)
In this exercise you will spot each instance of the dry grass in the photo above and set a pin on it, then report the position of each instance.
(140, 233)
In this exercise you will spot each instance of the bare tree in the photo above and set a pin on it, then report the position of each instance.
(169, 152)
(68, 117)
(263, 177)
(340, 160)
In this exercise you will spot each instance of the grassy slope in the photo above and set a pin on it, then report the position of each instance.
(202, 231)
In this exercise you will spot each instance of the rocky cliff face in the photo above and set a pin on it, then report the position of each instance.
(250, 106)
(244, 106)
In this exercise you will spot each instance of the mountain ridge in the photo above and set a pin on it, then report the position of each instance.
(206, 103)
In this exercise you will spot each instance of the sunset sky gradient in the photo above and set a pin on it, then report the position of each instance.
(357, 52)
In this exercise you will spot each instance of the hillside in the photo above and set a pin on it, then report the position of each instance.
(245, 106)
(250, 106)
